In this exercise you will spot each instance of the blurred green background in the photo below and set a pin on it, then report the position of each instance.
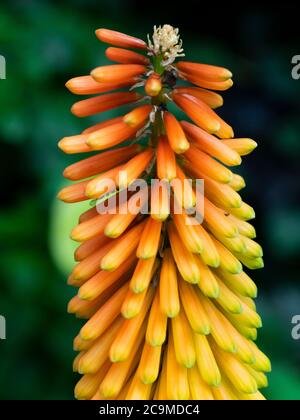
(46, 43)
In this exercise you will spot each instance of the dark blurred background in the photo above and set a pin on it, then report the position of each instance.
(45, 43)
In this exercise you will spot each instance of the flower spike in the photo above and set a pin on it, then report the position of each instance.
(161, 281)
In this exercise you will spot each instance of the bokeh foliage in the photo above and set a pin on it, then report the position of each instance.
(47, 42)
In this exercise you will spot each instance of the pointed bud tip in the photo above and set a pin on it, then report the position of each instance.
(68, 84)
(228, 74)
(117, 357)
(215, 263)
(84, 295)
(86, 334)
(112, 232)
(182, 147)
(93, 73)
(215, 127)
(145, 255)
(128, 314)
(60, 144)
(214, 293)
(75, 237)
(61, 195)
(107, 266)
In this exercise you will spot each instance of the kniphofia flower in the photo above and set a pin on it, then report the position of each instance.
(169, 306)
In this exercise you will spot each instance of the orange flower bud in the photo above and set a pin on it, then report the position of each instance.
(103, 103)
(153, 85)
(100, 162)
(183, 190)
(73, 193)
(104, 317)
(160, 200)
(157, 324)
(122, 248)
(205, 71)
(86, 85)
(211, 144)
(102, 124)
(185, 260)
(206, 84)
(150, 238)
(110, 135)
(88, 214)
(119, 39)
(102, 280)
(208, 165)
(137, 116)
(74, 144)
(212, 99)
(126, 337)
(117, 73)
(90, 265)
(90, 246)
(134, 168)
(166, 163)
(197, 111)
(90, 228)
(123, 56)
(175, 133)
(168, 287)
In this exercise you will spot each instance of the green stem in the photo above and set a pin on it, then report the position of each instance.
(157, 66)
(160, 100)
